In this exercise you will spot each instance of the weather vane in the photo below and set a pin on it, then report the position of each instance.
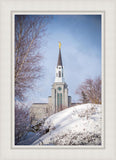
(59, 45)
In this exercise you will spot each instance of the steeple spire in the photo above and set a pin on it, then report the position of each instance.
(59, 69)
(59, 57)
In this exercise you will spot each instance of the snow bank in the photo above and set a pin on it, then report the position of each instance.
(78, 125)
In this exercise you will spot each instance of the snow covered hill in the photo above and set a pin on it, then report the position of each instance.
(78, 125)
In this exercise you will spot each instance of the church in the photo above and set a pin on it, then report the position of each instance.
(59, 98)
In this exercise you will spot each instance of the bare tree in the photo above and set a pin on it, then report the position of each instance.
(90, 91)
(29, 32)
(21, 120)
(84, 98)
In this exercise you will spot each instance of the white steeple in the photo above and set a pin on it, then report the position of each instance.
(59, 77)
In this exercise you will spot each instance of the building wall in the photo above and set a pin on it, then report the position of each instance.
(39, 111)
(49, 100)
(43, 110)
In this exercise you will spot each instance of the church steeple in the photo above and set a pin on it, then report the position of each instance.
(59, 97)
(59, 57)
(59, 68)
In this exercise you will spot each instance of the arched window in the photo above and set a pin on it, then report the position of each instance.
(59, 73)
(59, 100)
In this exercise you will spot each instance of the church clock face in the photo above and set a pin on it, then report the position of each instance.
(59, 88)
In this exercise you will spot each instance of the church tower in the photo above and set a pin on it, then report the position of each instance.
(59, 76)
(59, 98)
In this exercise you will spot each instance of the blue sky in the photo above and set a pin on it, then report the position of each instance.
(80, 36)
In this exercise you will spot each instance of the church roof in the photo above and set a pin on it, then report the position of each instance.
(59, 59)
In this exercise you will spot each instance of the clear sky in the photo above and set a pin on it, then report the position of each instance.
(80, 36)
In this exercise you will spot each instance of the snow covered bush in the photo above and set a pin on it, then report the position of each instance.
(78, 125)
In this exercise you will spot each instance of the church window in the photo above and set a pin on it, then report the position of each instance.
(59, 99)
(59, 88)
(59, 73)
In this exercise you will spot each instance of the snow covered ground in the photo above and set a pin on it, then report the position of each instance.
(78, 125)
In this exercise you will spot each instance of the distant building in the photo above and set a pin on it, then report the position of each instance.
(59, 98)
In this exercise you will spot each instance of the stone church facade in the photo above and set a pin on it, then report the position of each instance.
(59, 98)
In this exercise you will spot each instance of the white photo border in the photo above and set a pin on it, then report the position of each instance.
(13, 13)
(109, 75)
